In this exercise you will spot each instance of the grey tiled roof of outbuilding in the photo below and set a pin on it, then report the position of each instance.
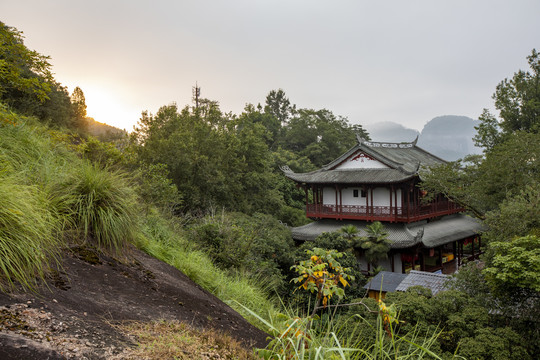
(430, 234)
(434, 282)
(385, 281)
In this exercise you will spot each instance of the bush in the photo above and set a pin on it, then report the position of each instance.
(259, 245)
(102, 206)
(103, 153)
(155, 188)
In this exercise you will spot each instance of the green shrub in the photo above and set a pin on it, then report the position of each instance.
(101, 206)
(156, 188)
(103, 153)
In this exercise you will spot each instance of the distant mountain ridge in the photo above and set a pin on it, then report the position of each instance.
(448, 137)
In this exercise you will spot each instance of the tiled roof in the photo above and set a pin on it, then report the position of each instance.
(403, 160)
(448, 229)
(398, 233)
(431, 234)
(349, 176)
(385, 281)
(434, 282)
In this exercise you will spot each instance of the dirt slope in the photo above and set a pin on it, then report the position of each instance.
(74, 317)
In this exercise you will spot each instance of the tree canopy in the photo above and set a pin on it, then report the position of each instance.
(518, 102)
(27, 84)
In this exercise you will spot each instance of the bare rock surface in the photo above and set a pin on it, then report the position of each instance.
(73, 316)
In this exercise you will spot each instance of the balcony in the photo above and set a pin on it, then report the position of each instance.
(409, 213)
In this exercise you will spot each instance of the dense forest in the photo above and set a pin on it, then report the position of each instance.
(202, 190)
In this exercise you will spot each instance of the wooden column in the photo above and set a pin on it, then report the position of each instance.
(459, 252)
(316, 190)
(395, 203)
(390, 190)
(415, 199)
(319, 191)
(337, 204)
(367, 202)
(408, 203)
(392, 261)
(340, 200)
(454, 252)
(371, 196)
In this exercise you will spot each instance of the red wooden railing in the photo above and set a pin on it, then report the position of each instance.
(382, 213)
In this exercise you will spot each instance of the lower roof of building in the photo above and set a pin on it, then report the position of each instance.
(402, 235)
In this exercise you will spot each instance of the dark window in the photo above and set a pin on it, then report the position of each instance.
(364, 193)
(355, 193)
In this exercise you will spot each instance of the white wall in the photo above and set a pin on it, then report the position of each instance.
(349, 199)
(329, 196)
(361, 161)
(381, 196)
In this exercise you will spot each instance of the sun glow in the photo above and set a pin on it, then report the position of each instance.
(108, 107)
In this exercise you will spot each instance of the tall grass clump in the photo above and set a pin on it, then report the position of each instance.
(165, 242)
(297, 337)
(100, 206)
(28, 233)
(29, 150)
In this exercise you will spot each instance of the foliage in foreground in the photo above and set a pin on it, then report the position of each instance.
(332, 340)
(328, 336)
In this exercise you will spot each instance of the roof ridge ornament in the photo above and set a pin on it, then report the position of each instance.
(410, 172)
(286, 169)
(359, 138)
(419, 234)
(384, 144)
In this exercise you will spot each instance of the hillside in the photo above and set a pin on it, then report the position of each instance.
(62, 298)
(78, 313)
(103, 131)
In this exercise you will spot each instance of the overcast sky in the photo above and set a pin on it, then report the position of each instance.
(369, 61)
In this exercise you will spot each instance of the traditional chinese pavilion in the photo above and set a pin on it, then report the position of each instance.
(376, 181)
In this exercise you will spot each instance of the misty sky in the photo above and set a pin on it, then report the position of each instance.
(369, 61)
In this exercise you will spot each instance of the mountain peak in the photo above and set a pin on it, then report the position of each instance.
(448, 137)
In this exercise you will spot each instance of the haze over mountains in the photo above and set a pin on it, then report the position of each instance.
(448, 137)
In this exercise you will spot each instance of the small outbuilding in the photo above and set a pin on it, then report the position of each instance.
(386, 281)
